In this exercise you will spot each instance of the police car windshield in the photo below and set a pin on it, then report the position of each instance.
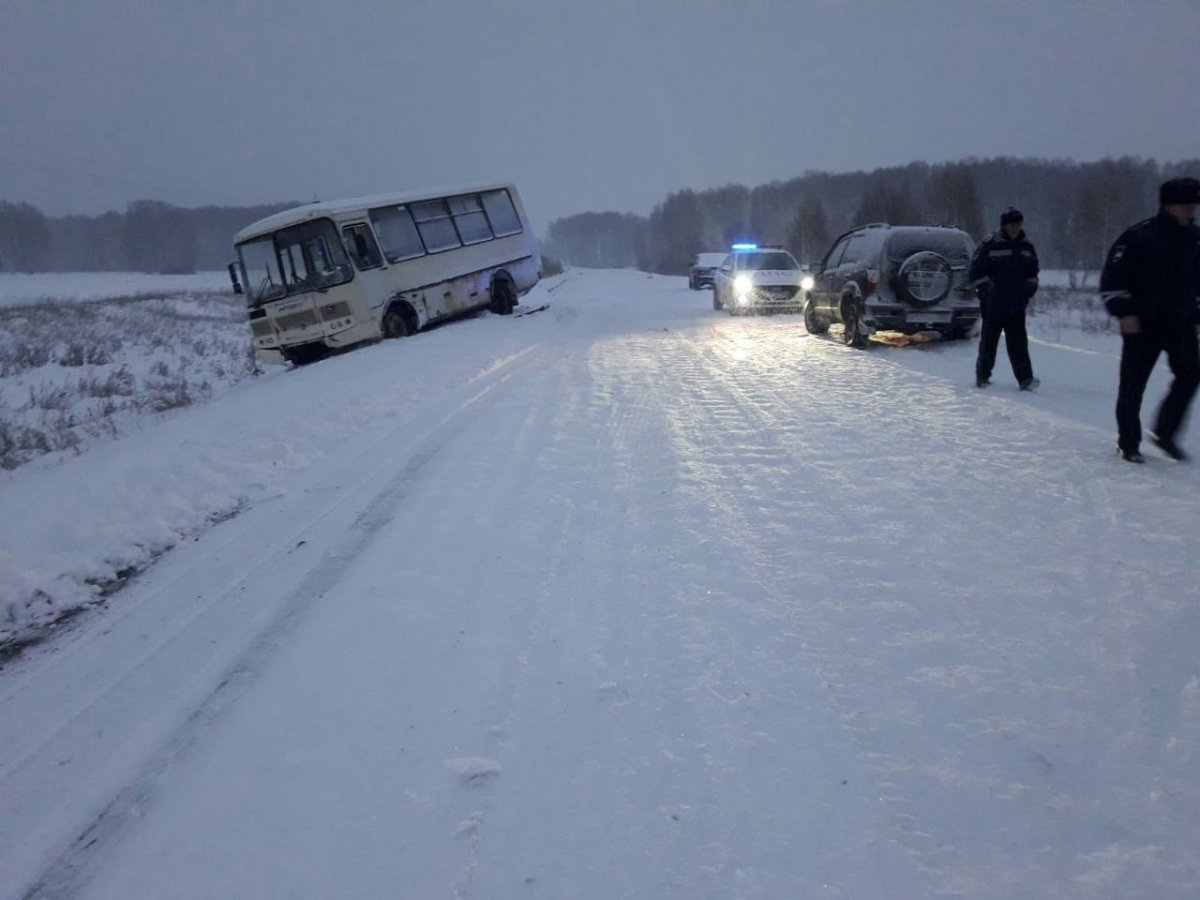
(759, 261)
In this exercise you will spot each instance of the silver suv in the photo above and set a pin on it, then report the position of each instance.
(894, 278)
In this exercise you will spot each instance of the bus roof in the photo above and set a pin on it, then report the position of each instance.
(325, 208)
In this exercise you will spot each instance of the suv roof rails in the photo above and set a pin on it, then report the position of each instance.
(850, 231)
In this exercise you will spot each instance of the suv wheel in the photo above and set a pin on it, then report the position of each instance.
(813, 322)
(854, 336)
(717, 300)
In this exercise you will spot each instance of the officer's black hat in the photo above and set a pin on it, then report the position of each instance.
(1179, 191)
(1011, 216)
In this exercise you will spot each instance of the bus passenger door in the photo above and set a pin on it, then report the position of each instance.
(370, 269)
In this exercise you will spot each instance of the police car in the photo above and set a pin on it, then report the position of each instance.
(755, 279)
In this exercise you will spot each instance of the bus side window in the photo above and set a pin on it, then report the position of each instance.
(435, 225)
(500, 213)
(397, 233)
(469, 219)
(360, 245)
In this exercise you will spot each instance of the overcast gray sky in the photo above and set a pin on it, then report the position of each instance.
(585, 105)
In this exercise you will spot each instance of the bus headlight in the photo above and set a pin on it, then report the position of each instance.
(806, 283)
(743, 285)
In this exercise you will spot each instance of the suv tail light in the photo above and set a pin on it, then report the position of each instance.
(872, 280)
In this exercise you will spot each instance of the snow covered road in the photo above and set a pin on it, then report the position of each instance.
(631, 599)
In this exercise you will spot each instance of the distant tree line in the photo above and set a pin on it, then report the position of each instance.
(1073, 211)
(604, 240)
(149, 236)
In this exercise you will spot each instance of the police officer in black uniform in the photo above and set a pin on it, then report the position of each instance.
(1005, 268)
(1151, 283)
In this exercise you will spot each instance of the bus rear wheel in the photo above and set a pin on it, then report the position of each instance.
(504, 295)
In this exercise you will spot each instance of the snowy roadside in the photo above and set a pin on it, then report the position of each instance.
(72, 375)
(136, 479)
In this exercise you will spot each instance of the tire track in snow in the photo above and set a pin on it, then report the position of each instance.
(71, 869)
(1005, 658)
(698, 636)
(845, 525)
(513, 432)
(566, 638)
(746, 402)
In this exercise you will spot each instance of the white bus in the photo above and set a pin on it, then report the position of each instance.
(336, 273)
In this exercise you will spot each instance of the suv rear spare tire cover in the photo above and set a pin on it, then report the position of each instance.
(924, 279)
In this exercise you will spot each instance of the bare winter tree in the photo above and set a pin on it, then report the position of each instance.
(808, 235)
(675, 233)
(885, 203)
(1114, 194)
(159, 238)
(25, 243)
(954, 200)
(607, 240)
(727, 216)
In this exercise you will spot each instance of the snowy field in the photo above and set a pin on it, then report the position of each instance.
(72, 374)
(624, 599)
(17, 289)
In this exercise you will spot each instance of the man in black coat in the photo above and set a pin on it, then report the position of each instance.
(1005, 267)
(1151, 283)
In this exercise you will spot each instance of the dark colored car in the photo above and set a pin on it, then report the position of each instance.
(703, 267)
(894, 278)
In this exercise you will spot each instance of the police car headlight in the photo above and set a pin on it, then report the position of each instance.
(743, 285)
(806, 283)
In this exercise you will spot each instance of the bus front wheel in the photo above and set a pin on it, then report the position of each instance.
(395, 323)
(303, 354)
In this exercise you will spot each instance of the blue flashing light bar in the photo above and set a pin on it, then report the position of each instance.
(744, 246)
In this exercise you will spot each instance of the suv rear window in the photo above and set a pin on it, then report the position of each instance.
(756, 262)
(954, 245)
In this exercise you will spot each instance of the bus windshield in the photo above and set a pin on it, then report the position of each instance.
(305, 257)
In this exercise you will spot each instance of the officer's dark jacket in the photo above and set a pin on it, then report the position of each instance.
(1153, 272)
(1011, 267)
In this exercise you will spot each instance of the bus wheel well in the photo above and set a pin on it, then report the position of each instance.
(504, 293)
(399, 320)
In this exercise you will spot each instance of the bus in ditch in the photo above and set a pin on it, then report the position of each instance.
(333, 274)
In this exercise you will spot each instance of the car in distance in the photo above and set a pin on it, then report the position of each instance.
(894, 278)
(703, 265)
(755, 279)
